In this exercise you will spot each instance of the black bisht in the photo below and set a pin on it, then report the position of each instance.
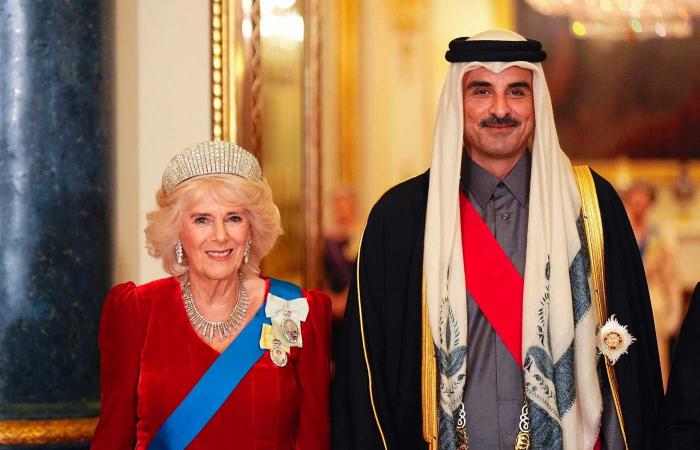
(390, 268)
(680, 416)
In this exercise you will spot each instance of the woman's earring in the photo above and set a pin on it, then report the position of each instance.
(246, 252)
(179, 256)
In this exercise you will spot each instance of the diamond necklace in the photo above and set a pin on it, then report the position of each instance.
(219, 330)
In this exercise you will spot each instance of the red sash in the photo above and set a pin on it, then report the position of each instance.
(492, 279)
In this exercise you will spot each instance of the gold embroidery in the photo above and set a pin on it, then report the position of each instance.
(429, 381)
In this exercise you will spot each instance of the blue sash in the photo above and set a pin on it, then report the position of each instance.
(217, 383)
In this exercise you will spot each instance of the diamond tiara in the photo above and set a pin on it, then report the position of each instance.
(210, 158)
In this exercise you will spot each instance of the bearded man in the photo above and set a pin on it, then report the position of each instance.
(486, 288)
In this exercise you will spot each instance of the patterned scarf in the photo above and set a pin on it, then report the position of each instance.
(559, 353)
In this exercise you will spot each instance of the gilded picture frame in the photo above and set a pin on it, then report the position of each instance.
(238, 114)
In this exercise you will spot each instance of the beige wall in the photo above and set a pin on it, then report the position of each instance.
(162, 105)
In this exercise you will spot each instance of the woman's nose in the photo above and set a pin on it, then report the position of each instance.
(219, 232)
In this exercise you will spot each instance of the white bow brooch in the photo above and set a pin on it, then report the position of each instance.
(285, 332)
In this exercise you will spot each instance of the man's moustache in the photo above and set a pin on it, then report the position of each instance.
(499, 121)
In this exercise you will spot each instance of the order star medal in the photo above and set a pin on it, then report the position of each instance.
(614, 339)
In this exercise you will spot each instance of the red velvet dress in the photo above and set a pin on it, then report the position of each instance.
(151, 357)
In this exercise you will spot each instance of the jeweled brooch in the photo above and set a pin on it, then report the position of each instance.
(614, 339)
(284, 331)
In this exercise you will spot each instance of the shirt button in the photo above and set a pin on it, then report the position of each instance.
(505, 216)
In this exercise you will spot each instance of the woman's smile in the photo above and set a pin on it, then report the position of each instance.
(220, 254)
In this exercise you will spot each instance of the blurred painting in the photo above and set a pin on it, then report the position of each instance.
(632, 97)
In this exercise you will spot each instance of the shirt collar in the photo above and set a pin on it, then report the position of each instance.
(482, 183)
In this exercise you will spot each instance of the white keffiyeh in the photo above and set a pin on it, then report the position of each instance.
(559, 353)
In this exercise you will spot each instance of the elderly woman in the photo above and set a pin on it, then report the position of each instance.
(214, 356)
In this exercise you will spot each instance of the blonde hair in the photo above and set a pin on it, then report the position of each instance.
(164, 224)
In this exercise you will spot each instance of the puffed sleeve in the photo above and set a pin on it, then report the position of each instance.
(313, 375)
(120, 341)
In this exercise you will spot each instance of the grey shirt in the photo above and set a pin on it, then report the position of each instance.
(493, 397)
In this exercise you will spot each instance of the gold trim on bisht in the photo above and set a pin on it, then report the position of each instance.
(52, 431)
(594, 235)
(364, 345)
(428, 379)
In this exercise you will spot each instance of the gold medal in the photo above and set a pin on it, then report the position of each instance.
(277, 354)
(290, 330)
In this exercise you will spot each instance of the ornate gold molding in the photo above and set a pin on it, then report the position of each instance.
(53, 431)
(235, 72)
(254, 61)
(237, 103)
(222, 126)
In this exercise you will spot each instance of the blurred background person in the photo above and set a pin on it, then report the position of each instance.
(658, 246)
(340, 247)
